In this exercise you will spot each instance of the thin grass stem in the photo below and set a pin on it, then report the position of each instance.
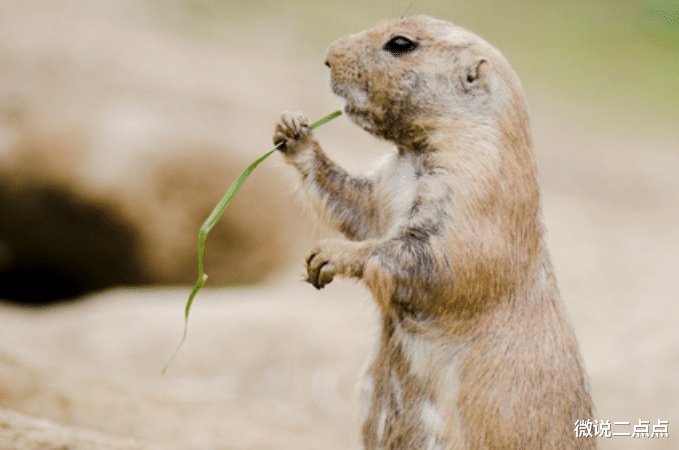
(212, 220)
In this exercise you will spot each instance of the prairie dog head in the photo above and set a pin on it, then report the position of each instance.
(405, 78)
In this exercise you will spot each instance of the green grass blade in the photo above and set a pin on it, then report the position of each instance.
(212, 220)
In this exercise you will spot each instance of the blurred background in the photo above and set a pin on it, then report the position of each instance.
(123, 122)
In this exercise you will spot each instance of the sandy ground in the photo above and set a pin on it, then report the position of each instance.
(269, 367)
(275, 366)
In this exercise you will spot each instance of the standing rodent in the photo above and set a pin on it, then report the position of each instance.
(475, 350)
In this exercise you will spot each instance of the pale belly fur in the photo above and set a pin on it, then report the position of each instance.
(431, 366)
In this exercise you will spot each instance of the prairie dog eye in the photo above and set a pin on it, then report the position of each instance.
(399, 45)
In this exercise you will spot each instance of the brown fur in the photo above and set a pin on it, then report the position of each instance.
(475, 350)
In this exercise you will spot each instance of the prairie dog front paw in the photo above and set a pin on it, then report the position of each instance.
(293, 131)
(331, 257)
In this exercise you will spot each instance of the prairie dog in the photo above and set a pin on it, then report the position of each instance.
(475, 350)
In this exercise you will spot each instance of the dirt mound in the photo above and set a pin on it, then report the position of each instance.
(115, 143)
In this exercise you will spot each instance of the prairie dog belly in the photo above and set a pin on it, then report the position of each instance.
(395, 189)
(412, 383)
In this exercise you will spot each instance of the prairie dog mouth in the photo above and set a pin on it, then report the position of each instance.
(355, 96)
(360, 117)
(357, 105)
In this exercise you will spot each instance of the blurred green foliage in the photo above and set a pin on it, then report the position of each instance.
(615, 57)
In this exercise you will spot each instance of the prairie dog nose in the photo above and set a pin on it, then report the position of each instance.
(337, 50)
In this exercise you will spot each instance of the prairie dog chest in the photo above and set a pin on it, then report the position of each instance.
(396, 184)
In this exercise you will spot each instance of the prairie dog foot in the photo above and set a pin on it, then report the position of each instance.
(332, 257)
(293, 131)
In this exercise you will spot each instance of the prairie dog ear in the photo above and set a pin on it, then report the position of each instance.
(477, 73)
